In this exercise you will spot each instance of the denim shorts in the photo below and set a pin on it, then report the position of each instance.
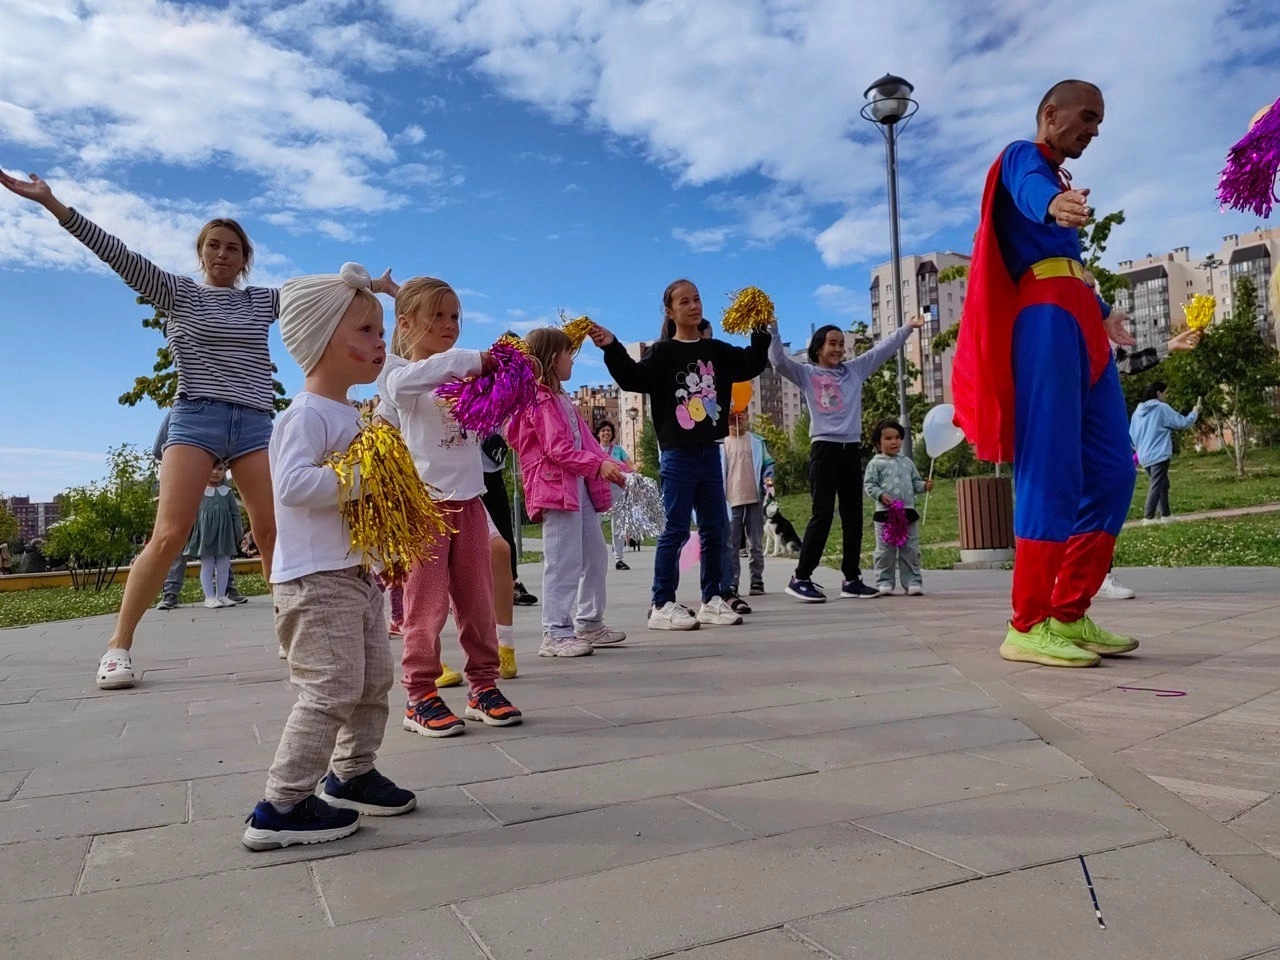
(226, 430)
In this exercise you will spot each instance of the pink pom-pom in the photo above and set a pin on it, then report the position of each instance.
(485, 402)
(1248, 181)
(897, 528)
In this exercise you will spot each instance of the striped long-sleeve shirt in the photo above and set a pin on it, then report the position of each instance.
(217, 335)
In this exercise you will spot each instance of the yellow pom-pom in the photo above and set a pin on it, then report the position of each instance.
(1200, 311)
(511, 340)
(393, 519)
(576, 330)
(751, 310)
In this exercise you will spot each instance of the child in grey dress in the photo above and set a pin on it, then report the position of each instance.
(216, 537)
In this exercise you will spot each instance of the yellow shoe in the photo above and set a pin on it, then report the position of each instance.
(448, 678)
(1041, 645)
(506, 662)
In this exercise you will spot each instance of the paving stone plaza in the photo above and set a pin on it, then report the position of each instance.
(861, 779)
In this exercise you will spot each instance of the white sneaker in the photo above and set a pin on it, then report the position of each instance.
(226, 602)
(115, 670)
(213, 603)
(884, 589)
(915, 590)
(672, 616)
(282, 653)
(715, 612)
(1113, 589)
(1167, 518)
(564, 647)
(1148, 521)
(602, 636)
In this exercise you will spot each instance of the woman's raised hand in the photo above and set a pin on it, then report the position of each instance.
(36, 190)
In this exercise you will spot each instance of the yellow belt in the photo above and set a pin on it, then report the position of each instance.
(1057, 267)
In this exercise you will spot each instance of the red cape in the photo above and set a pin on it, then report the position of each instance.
(982, 372)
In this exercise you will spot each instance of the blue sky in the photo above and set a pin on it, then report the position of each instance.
(547, 154)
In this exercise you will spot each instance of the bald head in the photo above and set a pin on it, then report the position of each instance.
(1068, 117)
(1065, 93)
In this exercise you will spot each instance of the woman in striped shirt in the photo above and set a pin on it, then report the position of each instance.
(217, 334)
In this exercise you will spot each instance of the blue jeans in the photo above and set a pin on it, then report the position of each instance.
(691, 480)
(226, 430)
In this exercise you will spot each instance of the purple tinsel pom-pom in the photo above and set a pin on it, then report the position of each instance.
(1248, 181)
(485, 402)
(897, 528)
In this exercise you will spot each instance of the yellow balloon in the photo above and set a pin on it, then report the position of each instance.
(741, 396)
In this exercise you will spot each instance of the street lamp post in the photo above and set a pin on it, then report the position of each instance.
(633, 415)
(889, 103)
(1211, 263)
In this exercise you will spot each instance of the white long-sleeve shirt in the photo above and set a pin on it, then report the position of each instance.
(448, 458)
(311, 534)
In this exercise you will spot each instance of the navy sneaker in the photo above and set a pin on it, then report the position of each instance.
(522, 597)
(370, 793)
(168, 602)
(235, 597)
(857, 590)
(311, 821)
(806, 590)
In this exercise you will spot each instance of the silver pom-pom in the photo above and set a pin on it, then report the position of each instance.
(637, 512)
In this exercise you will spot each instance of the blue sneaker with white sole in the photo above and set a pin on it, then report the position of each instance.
(310, 821)
(370, 793)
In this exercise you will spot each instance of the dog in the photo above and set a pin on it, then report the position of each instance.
(780, 537)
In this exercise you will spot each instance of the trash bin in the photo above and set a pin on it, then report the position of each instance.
(986, 521)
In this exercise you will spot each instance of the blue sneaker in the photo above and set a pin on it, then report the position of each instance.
(370, 793)
(857, 590)
(806, 590)
(311, 821)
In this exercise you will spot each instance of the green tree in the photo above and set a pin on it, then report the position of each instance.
(162, 386)
(648, 453)
(1094, 237)
(790, 466)
(8, 522)
(105, 522)
(1236, 371)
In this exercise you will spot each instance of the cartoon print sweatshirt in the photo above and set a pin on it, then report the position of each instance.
(689, 383)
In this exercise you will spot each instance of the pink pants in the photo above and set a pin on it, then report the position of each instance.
(459, 572)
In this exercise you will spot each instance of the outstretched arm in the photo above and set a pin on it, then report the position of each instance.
(784, 365)
(625, 370)
(138, 272)
(867, 363)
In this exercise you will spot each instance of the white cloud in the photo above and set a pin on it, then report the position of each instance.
(206, 89)
(726, 88)
(706, 240)
(833, 298)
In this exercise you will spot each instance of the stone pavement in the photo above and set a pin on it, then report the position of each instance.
(855, 780)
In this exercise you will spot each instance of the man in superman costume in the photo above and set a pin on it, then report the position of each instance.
(1034, 383)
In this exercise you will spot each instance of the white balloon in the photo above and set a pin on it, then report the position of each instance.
(940, 432)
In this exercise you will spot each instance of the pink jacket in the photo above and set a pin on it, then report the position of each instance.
(549, 464)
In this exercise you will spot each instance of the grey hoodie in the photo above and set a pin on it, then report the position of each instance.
(834, 395)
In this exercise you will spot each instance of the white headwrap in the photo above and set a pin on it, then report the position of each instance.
(311, 306)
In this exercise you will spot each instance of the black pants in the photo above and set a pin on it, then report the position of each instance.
(499, 507)
(1158, 493)
(835, 470)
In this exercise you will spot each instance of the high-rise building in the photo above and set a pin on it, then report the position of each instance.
(34, 519)
(1160, 284)
(598, 403)
(922, 294)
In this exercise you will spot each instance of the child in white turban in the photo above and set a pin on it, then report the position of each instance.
(329, 615)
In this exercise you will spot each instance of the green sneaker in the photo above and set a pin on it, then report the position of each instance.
(1041, 645)
(1087, 634)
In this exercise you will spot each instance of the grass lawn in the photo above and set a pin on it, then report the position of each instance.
(1197, 482)
(22, 607)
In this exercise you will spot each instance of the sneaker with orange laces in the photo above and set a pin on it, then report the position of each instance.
(432, 718)
(490, 707)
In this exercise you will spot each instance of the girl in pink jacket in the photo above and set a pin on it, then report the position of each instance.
(566, 478)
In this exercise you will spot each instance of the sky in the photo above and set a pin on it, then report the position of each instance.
(547, 155)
